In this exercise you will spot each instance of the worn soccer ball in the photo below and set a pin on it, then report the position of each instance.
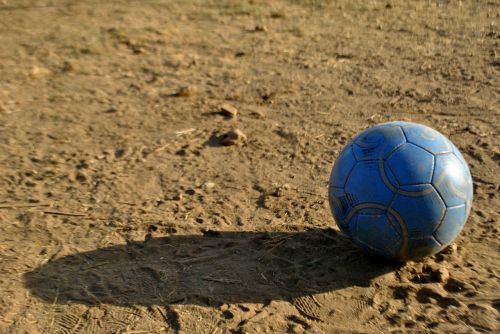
(401, 191)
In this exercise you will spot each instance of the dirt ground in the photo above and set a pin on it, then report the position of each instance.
(121, 211)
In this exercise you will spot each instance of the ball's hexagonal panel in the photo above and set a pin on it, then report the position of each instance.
(427, 138)
(418, 248)
(340, 203)
(377, 142)
(342, 167)
(378, 234)
(452, 224)
(421, 214)
(411, 164)
(453, 180)
(365, 184)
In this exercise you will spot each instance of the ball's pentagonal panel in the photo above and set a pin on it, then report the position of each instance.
(427, 138)
(377, 232)
(419, 248)
(421, 214)
(452, 180)
(365, 184)
(377, 142)
(340, 203)
(452, 224)
(411, 164)
(343, 166)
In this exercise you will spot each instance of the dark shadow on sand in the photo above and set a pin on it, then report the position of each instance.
(209, 269)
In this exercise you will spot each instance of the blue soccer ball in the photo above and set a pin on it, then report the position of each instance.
(401, 191)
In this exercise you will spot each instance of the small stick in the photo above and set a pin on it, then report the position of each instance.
(182, 132)
(222, 280)
(22, 205)
(161, 148)
(97, 265)
(59, 213)
(199, 259)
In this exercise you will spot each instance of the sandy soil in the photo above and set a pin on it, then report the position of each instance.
(121, 211)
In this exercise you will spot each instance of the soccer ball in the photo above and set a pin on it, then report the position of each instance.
(401, 191)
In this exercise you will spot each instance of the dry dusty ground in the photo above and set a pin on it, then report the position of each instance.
(121, 212)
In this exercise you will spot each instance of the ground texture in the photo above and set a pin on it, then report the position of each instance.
(122, 211)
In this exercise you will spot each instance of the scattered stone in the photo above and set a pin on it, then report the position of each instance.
(228, 110)
(186, 91)
(451, 249)
(37, 72)
(258, 114)
(208, 185)
(234, 137)
(178, 197)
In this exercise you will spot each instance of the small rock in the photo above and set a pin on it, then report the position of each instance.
(37, 72)
(228, 110)
(209, 185)
(234, 137)
(178, 197)
(451, 249)
(258, 114)
(186, 91)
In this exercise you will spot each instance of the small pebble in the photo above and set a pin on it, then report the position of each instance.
(209, 185)
(451, 249)
(234, 137)
(186, 91)
(37, 72)
(228, 110)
